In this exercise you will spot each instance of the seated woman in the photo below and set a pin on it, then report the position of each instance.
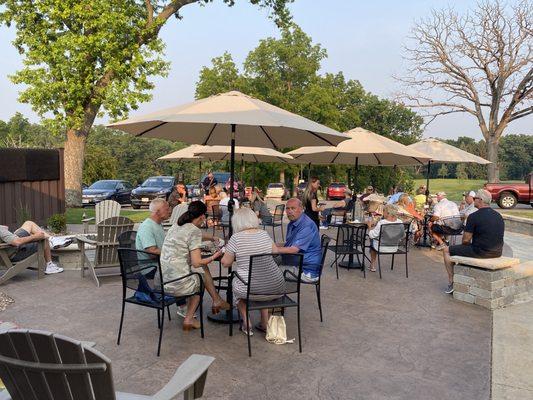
(248, 240)
(260, 208)
(181, 255)
(390, 216)
(408, 214)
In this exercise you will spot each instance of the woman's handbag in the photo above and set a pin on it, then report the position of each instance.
(277, 331)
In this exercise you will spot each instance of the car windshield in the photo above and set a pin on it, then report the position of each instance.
(275, 185)
(158, 182)
(337, 185)
(104, 185)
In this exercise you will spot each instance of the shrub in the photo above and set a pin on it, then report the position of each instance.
(57, 223)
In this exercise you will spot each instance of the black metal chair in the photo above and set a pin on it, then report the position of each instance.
(393, 240)
(350, 241)
(134, 265)
(275, 221)
(216, 216)
(324, 243)
(292, 286)
(126, 240)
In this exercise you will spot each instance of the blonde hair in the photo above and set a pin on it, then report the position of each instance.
(244, 218)
(391, 210)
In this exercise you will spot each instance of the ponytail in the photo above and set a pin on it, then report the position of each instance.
(196, 209)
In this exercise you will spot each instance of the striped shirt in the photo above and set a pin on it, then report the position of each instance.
(267, 277)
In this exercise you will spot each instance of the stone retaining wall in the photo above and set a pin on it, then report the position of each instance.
(518, 224)
(493, 289)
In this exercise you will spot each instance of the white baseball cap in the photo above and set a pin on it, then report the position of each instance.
(471, 193)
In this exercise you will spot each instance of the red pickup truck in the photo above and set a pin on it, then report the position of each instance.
(508, 195)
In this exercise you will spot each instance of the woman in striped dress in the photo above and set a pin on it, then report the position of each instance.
(267, 277)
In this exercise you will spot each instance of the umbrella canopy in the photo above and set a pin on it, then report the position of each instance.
(441, 152)
(210, 121)
(243, 153)
(365, 147)
(186, 154)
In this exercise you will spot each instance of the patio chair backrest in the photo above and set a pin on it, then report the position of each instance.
(345, 235)
(215, 211)
(392, 235)
(278, 213)
(107, 233)
(106, 209)
(177, 212)
(134, 265)
(258, 261)
(42, 365)
(224, 214)
(127, 239)
(324, 243)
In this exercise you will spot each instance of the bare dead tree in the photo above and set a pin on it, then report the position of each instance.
(480, 63)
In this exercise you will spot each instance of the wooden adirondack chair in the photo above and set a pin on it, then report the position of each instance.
(104, 210)
(176, 213)
(43, 365)
(13, 268)
(106, 243)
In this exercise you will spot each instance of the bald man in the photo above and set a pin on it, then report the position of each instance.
(302, 237)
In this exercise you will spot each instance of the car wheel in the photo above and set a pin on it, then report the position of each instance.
(507, 200)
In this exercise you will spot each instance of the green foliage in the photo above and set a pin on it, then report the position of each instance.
(19, 132)
(57, 223)
(516, 156)
(22, 213)
(285, 72)
(99, 164)
(443, 171)
(460, 172)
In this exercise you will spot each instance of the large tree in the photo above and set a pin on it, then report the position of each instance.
(84, 59)
(479, 63)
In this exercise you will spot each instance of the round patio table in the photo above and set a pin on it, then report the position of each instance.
(352, 263)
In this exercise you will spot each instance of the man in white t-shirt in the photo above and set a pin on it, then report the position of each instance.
(224, 200)
(445, 220)
(467, 207)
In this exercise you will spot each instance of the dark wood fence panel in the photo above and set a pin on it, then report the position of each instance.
(38, 199)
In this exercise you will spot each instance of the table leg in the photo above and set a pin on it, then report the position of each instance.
(228, 316)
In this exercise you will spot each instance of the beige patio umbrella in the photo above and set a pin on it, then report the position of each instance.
(185, 154)
(243, 153)
(231, 118)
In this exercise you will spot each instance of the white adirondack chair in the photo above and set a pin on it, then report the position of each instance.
(106, 245)
(104, 210)
(43, 365)
(36, 260)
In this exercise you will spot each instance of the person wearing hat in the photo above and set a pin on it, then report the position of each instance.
(482, 237)
(467, 206)
(368, 191)
(445, 220)
(342, 206)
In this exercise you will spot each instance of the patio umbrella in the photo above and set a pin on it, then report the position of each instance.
(185, 154)
(441, 152)
(242, 153)
(231, 118)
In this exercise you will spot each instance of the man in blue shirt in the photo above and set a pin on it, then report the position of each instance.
(302, 237)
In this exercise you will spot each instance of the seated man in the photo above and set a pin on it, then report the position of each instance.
(398, 191)
(344, 205)
(302, 237)
(24, 241)
(151, 235)
(482, 237)
(467, 207)
(445, 220)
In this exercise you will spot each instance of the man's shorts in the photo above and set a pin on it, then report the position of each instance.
(445, 230)
(466, 250)
(25, 250)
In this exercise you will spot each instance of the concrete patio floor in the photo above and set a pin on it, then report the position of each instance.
(394, 338)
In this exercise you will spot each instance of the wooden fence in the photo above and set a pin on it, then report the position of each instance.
(32, 185)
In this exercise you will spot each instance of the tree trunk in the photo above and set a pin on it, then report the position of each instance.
(282, 176)
(74, 156)
(492, 155)
(295, 181)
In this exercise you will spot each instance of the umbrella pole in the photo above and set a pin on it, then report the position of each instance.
(354, 193)
(425, 236)
(253, 177)
(231, 178)
(308, 172)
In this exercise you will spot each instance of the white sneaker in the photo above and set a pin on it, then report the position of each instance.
(51, 268)
(323, 227)
(182, 311)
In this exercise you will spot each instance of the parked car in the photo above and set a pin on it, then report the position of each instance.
(155, 186)
(277, 191)
(117, 190)
(336, 191)
(508, 195)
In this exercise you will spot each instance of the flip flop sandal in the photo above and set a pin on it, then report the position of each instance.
(250, 333)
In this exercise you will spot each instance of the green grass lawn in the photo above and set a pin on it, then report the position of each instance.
(454, 188)
(74, 214)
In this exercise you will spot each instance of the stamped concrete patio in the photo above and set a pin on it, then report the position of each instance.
(394, 338)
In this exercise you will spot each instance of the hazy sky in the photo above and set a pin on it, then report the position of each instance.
(363, 39)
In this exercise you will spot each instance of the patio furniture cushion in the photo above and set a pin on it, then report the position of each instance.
(487, 263)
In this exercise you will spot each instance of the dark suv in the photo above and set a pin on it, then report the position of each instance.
(153, 187)
(117, 190)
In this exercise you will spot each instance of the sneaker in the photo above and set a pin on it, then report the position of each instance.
(182, 311)
(51, 268)
(449, 289)
(323, 227)
(440, 247)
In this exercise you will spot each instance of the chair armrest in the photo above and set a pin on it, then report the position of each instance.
(88, 219)
(5, 246)
(84, 239)
(289, 272)
(190, 375)
(235, 273)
